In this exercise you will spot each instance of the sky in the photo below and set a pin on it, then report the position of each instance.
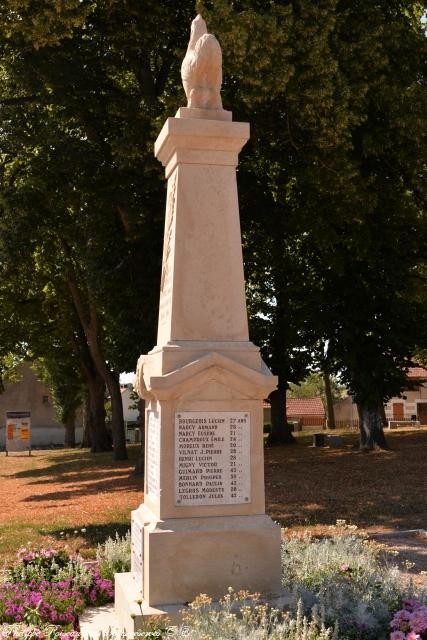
(126, 378)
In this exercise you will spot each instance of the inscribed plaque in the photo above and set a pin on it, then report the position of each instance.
(212, 458)
(137, 541)
(153, 454)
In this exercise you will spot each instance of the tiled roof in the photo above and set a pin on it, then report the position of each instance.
(417, 372)
(305, 407)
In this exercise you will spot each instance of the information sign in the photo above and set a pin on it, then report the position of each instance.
(18, 431)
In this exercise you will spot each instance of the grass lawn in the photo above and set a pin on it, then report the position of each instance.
(378, 491)
(53, 495)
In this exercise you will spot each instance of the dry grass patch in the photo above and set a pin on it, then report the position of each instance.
(52, 495)
(379, 491)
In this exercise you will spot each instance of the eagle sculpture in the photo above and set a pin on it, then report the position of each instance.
(201, 69)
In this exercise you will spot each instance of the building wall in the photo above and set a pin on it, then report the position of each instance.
(410, 402)
(45, 436)
(309, 421)
(129, 414)
(346, 413)
(29, 394)
(306, 421)
(346, 410)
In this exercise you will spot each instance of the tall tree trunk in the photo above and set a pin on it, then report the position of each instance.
(100, 437)
(86, 438)
(70, 430)
(329, 400)
(371, 427)
(117, 419)
(88, 317)
(111, 379)
(140, 463)
(281, 432)
(96, 435)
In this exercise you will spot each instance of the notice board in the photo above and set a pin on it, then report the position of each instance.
(18, 431)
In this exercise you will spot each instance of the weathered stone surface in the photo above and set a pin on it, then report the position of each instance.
(201, 69)
(204, 383)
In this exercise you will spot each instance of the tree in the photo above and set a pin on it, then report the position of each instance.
(299, 114)
(376, 320)
(333, 178)
(63, 379)
(322, 384)
(82, 102)
(314, 385)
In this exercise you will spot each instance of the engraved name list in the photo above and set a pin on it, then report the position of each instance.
(212, 458)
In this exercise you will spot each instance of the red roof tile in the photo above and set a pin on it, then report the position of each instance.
(305, 407)
(417, 372)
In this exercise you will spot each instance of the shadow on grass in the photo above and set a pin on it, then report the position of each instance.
(307, 486)
(80, 461)
(94, 476)
(109, 485)
(93, 534)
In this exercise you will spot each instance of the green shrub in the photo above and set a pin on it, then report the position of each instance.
(241, 616)
(349, 578)
(114, 555)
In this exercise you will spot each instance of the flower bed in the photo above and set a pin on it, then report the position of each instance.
(20, 631)
(343, 588)
(48, 589)
(410, 622)
(353, 581)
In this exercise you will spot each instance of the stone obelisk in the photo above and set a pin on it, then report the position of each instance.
(202, 526)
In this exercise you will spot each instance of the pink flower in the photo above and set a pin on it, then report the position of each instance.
(418, 620)
(413, 636)
(400, 617)
(345, 567)
(397, 635)
(411, 604)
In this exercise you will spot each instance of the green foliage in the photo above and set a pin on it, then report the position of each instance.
(113, 556)
(331, 184)
(244, 617)
(50, 566)
(82, 196)
(313, 385)
(350, 579)
(61, 374)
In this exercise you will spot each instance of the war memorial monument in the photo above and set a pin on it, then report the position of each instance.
(202, 526)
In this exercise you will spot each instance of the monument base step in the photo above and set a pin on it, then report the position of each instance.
(98, 622)
(126, 619)
(184, 557)
(133, 617)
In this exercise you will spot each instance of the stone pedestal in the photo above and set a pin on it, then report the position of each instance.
(202, 526)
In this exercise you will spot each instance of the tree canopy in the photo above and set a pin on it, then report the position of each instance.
(331, 186)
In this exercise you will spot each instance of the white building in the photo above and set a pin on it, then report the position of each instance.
(411, 406)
